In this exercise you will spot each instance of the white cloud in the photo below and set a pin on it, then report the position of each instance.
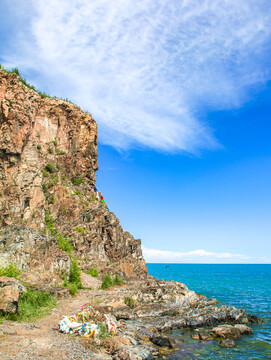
(200, 256)
(149, 69)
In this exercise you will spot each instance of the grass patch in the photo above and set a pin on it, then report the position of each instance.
(52, 181)
(60, 152)
(74, 281)
(77, 180)
(15, 71)
(49, 222)
(11, 270)
(130, 302)
(50, 168)
(109, 281)
(103, 334)
(42, 94)
(38, 146)
(73, 288)
(33, 305)
(80, 230)
(63, 243)
(93, 272)
(75, 273)
(48, 197)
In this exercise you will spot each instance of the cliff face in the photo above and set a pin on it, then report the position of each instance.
(48, 163)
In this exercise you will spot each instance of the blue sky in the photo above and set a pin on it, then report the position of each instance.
(181, 93)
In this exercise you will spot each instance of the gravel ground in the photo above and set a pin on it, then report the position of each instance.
(41, 340)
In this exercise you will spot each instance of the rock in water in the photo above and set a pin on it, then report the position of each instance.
(244, 329)
(226, 332)
(227, 343)
(162, 341)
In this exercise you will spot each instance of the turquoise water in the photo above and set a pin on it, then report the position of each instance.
(245, 286)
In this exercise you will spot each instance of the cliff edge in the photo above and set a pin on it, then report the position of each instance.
(48, 164)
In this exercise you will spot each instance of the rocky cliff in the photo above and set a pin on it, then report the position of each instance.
(48, 164)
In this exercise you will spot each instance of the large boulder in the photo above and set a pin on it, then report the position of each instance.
(162, 341)
(10, 291)
(243, 329)
(226, 332)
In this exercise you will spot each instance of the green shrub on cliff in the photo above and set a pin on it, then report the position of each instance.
(75, 272)
(81, 230)
(42, 94)
(60, 152)
(49, 222)
(117, 280)
(64, 243)
(15, 71)
(50, 168)
(108, 281)
(11, 270)
(93, 272)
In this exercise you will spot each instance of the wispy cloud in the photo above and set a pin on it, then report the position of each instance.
(200, 256)
(148, 70)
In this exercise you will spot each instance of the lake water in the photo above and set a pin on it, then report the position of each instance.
(244, 286)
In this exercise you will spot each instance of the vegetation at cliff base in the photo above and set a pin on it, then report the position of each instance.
(109, 281)
(33, 305)
(75, 274)
(11, 270)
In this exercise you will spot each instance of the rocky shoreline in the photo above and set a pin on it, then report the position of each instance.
(156, 307)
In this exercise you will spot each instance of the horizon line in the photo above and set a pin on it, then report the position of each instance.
(208, 263)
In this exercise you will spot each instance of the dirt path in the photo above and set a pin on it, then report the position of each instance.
(41, 340)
